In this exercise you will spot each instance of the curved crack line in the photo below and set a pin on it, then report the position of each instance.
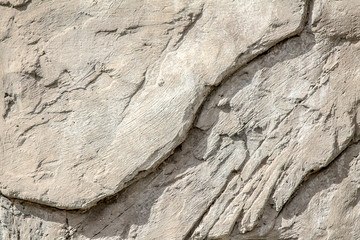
(241, 60)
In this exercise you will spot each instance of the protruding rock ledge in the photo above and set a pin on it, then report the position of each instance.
(91, 111)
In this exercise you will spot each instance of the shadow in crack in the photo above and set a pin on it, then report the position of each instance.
(322, 199)
(130, 210)
(21, 219)
(334, 174)
(121, 215)
(326, 195)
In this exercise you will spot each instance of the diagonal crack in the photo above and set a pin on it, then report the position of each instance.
(186, 30)
(189, 234)
(317, 171)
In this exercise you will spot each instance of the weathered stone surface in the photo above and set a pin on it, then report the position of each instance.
(202, 120)
(86, 84)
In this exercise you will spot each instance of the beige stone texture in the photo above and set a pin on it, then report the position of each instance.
(180, 119)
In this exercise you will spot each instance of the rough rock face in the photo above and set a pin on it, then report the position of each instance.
(105, 79)
(180, 119)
